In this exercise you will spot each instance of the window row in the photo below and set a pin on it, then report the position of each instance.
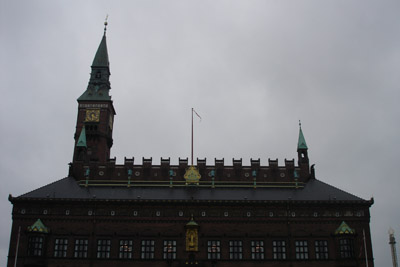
(226, 213)
(81, 247)
(148, 248)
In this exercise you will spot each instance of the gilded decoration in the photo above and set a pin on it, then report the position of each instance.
(39, 227)
(92, 115)
(192, 175)
(344, 229)
(192, 240)
(192, 236)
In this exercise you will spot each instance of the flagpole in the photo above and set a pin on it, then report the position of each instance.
(365, 248)
(16, 250)
(192, 139)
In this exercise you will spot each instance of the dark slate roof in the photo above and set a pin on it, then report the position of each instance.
(68, 188)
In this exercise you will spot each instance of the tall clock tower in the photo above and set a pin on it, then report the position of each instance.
(94, 126)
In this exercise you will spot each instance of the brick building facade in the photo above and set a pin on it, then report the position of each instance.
(218, 214)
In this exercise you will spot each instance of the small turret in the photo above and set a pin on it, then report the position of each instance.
(302, 152)
(302, 147)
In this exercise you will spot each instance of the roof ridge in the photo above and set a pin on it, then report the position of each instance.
(341, 190)
(43, 186)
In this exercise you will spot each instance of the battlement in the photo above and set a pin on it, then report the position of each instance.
(165, 172)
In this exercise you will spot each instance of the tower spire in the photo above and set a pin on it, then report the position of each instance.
(99, 82)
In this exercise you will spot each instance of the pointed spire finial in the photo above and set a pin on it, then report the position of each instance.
(105, 25)
(300, 124)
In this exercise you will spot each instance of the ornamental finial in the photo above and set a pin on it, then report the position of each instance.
(300, 124)
(105, 24)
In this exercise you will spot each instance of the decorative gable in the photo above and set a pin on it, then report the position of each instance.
(344, 229)
(39, 227)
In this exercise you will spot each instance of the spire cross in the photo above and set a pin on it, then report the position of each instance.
(105, 24)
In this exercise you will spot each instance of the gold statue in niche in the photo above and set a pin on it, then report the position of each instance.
(192, 236)
(192, 240)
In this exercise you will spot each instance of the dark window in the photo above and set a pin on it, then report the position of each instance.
(214, 249)
(169, 249)
(147, 249)
(346, 248)
(301, 250)
(125, 249)
(35, 246)
(60, 247)
(235, 250)
(81, 248)
(279, 249)
(257, 250)
(321, 249)
(103, 248)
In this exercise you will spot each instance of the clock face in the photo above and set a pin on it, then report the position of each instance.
(110, 122)
(92, 115)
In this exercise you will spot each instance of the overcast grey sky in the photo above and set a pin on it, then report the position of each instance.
(251, 69)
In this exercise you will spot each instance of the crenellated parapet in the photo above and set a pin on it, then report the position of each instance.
(148, 172)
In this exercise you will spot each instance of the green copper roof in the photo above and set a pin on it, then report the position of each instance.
(99, 83)
(95, 94)
(344, 229)
(38, 226)
(302, 141)
(101, 58)
(82, 138)
(192, 222)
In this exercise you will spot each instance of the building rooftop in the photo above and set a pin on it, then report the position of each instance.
(69, 188)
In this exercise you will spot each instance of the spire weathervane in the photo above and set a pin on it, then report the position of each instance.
(392, 242)
(105, 24)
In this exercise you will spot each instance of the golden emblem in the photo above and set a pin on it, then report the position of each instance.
(192, 176)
